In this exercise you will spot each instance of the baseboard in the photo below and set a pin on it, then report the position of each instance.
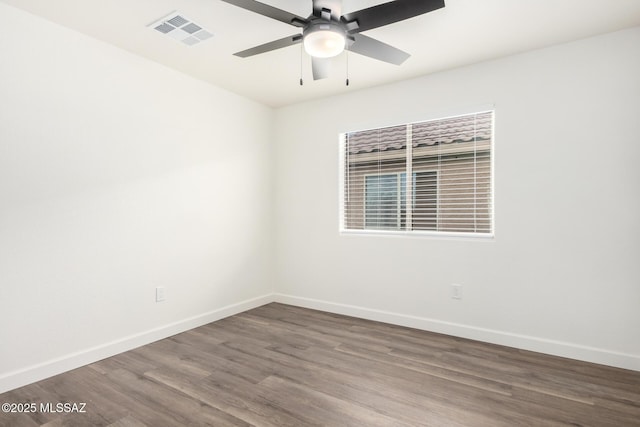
(31, 374)
(541, 345)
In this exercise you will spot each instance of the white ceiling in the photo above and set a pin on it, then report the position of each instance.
(464, 32)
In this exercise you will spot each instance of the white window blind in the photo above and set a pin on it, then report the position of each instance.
(449, 162)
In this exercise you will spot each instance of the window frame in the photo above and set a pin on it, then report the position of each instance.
(446, 235)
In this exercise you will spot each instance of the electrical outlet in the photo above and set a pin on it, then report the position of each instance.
(456, 291)
(160, 294)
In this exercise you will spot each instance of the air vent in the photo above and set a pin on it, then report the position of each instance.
(180, 28)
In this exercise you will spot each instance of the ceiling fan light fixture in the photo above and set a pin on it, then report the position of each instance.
(324, 41)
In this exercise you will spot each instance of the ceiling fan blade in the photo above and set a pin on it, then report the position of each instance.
(335, 6)
(320, 68)
(270, 12)
(376, 49)
(388, 13)
(276, 44)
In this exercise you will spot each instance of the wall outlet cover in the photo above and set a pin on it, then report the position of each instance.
(160, 296)
(456, 291)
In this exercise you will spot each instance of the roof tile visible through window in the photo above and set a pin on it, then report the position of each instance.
(443, 131)
(377, 139)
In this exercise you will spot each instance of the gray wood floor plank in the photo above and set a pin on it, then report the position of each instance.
(251, 402)
(285, 366)
(324, 408)
(128, 421)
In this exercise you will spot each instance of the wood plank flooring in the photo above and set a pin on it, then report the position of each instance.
(279, 365)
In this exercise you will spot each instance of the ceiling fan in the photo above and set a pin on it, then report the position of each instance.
(327, 32)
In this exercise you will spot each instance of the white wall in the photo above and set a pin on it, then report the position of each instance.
(118, 175)
(562, 274)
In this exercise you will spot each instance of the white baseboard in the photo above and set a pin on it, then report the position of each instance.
(541, 345)
(31, 374)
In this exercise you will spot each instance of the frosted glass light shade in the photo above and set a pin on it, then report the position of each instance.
(324, 43)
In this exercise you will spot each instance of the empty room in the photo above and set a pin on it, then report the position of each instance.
(320, 213)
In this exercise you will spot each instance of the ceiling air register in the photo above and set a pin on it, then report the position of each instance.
(179, 28)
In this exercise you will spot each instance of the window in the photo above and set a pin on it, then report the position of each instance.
(385, 201)
(449, 162)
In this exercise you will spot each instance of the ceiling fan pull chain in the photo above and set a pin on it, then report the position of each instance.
(301, 55)
(347, 57)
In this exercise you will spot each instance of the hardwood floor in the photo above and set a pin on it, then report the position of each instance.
(279, 365)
